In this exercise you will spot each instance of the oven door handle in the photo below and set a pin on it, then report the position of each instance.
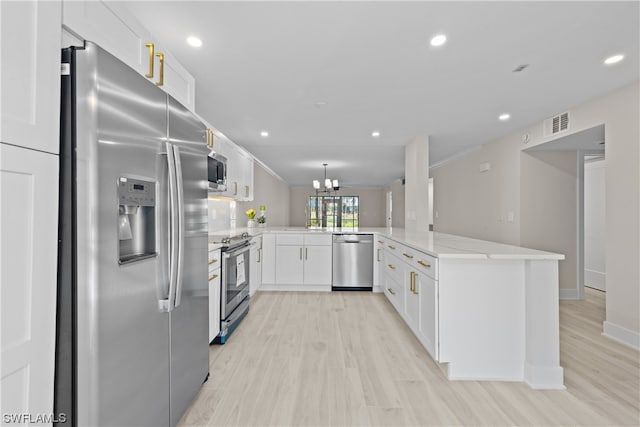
(227, 255)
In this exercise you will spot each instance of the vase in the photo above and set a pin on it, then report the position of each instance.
(251, 223)
(262, 224)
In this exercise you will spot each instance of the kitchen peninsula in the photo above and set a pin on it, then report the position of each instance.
(489, 311)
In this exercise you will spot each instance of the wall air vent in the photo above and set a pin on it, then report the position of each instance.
(556, 124)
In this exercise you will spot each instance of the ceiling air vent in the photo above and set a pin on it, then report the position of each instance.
(556, 124)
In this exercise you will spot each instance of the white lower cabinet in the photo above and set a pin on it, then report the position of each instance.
(301, 261)
(410, 284)
(255, 272)
(29, 224)
(214, 293)
(428, 313)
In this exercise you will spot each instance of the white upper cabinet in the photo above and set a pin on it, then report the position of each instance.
(113, 28)
(239, 168)
(30, 58)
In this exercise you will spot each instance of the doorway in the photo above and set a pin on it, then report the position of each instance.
(389, 209)
(562, 198)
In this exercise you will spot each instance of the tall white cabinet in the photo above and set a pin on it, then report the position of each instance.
(29, 146)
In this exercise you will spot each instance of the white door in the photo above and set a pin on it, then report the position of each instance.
(30, 58)
(389, 204)
(29, 228)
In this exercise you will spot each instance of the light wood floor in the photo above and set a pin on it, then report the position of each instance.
(347, 358)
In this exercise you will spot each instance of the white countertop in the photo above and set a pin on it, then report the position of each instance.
(439, 245)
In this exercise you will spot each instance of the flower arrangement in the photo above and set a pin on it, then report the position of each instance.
(262, 219)
(251, 213)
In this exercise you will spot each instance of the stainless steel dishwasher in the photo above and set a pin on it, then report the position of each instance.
(352, 262)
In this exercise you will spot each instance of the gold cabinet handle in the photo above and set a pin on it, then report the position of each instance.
(301, 254)
(424, 264)
(246, 191)
(391, 266)
(214, 277)
(259, 254)
(380, 241)
(210, 138)
(151, 60)
(235, 188)
(415, 283)
(378, 256)
(160, 81)
(392, 247)
(391, 291)
(407, 255)
(213, 261)
(411, 281)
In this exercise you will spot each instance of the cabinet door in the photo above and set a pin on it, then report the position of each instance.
(29, 223)
(412, 302)
(255, 273)
(30, 57)
(107, 26)
(289, 265)
(268, 259)
(178, 82)
(428, 317)
(317, 265)
(214, 304)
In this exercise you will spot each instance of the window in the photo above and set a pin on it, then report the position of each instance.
(334, 211)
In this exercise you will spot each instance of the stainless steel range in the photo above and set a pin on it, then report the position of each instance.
(234, 295)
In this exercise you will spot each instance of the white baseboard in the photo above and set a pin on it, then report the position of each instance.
(569, 294)
(621, 334)
(595, 279)
(544, 377)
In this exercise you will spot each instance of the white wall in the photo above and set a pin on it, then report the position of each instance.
(549, 209)
(477, 204)
(372, 205)
(472, 205)
(594, 224)
(417, 184)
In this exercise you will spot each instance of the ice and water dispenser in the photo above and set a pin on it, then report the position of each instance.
(136, 220)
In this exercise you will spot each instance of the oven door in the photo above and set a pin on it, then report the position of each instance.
(235, 279)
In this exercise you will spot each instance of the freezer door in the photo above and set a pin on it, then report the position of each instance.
(122, 333)
(190, 314)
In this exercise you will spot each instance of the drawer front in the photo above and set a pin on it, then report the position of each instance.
(394, 267)
(395, 294)
(214, 269)
(290, 239)
(318, 239)
(426, 264)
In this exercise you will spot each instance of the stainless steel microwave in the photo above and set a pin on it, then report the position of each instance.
(217, 172)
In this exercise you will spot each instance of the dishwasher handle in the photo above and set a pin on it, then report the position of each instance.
(353, 238)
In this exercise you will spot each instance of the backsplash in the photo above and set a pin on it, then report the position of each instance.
(222, 215)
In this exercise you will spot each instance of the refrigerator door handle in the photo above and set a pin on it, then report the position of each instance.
(180, 228)
(173, 227)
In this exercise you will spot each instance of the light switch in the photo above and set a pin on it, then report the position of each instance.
(510, 216)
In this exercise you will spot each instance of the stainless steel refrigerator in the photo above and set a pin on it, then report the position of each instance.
(132, 328)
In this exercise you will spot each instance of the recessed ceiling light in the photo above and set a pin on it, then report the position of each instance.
(194, 41)
(613, 59)
(264, 133)
(375, 134)
(438, 40)
(504, 117)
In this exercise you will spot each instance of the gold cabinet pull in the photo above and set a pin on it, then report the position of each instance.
(300, 254)
(392, 247)
(213, 261)
(411, 281)
(235, 188)
(391, 266)
(160, 81)
(210, 138)
(380, 241)
(424, 264)
(149, 75)
(246, 191)
(306, 253)
(214, 277)
(391, 291)
(378, 256)
(407, 255)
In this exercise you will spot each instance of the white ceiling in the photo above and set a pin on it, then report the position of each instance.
(265, 65)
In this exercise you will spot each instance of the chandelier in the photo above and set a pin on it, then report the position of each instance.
(329, 185)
